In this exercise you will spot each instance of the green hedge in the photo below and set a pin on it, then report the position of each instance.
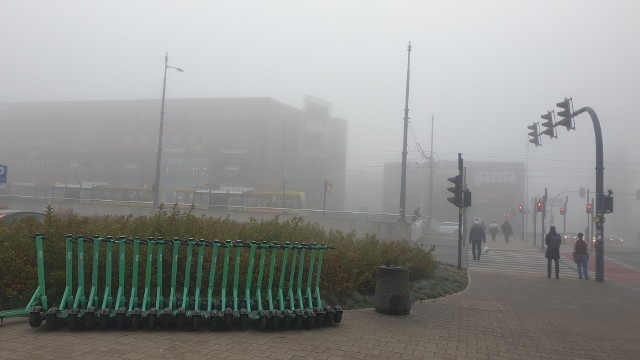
(349, 268)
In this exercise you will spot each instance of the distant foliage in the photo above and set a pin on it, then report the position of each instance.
(347, 269)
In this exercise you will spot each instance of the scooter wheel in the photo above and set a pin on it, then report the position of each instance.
(214, 322)
(136, 321)
(104, 322)
(262, 323)
(152, 321)
(228, 321)
(88, 321)
(180, 321)
(197, 322)
(298, 321)
(244, 321)
(72, 320)
(34, 319)
(309, 320)
(120, 321)
(52, 321)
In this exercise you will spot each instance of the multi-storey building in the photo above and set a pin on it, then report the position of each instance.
(216, 144)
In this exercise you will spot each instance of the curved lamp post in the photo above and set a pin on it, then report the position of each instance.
(156, 184)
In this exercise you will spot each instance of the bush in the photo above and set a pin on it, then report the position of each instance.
(350, 267)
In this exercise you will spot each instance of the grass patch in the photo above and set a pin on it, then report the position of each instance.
(447, 280)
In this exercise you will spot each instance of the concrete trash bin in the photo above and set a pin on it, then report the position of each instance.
(392, 290)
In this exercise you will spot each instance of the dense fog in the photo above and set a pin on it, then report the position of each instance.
(483, 70)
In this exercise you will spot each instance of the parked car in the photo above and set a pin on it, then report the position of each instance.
(614, 239)
(570, 238)
(8, 216)
(611, 239)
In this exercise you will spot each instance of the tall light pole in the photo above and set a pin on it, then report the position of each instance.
(403, 180)
(156, 184)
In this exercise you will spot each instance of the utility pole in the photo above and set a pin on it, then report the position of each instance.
(535, 219)
(284, 179)
(403, 180)
(544, 214)
(564, 217)
(430, 203)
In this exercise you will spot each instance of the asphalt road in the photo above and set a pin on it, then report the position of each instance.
(628, 255)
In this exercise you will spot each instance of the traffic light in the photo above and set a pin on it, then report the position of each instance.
(548, 124)
(565, 114)
(589, 208)
(563, 211)
(466, 196)
(520, 208)
(535, 137)
(539, 205)
(456, 189)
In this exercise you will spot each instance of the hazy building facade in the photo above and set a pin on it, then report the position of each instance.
(497, 189)
(215, 143)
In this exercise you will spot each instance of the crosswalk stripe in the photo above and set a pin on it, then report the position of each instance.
(624, 265)
(528, 262)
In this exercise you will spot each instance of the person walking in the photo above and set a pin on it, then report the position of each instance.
(553, 241)
(507, 230)
(477, 237)
(493, 230)
(581, 257)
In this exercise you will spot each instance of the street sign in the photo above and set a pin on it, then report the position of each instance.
(3, 177)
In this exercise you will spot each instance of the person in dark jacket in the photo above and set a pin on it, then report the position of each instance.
(581, 257)
(507, 230)
(553, 241)
(477, 237)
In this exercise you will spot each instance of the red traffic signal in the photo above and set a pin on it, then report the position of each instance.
(520, 208)
(589, 209)
(563, 211)
(539, 205)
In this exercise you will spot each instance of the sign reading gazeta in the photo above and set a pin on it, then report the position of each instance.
(3, 176)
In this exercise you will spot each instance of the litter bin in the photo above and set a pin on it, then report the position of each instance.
(392, 290)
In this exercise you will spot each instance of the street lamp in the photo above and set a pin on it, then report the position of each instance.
(156, 185)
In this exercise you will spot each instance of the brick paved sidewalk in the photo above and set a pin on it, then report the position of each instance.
(500, 316)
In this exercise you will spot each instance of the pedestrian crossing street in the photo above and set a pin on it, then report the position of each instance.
(530, 262)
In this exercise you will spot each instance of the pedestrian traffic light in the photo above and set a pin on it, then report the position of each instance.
(535, 137)
(548, 124)
(565, 114)
(563, 211)
(520, 208)
(466, 197)
(589, 208)
(456, 189)
(539, 205)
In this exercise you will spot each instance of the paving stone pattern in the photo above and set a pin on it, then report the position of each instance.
(500, 316)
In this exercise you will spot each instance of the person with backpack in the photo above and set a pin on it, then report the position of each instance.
(553, 241)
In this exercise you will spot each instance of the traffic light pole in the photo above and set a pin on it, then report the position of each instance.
(535, 220)
(599, 218)
(544, 214)
(564, 217)
(460, 210)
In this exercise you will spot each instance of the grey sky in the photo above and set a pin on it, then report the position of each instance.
(484, 69)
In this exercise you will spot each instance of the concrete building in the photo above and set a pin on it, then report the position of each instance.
(216, 144)
(497, 189)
